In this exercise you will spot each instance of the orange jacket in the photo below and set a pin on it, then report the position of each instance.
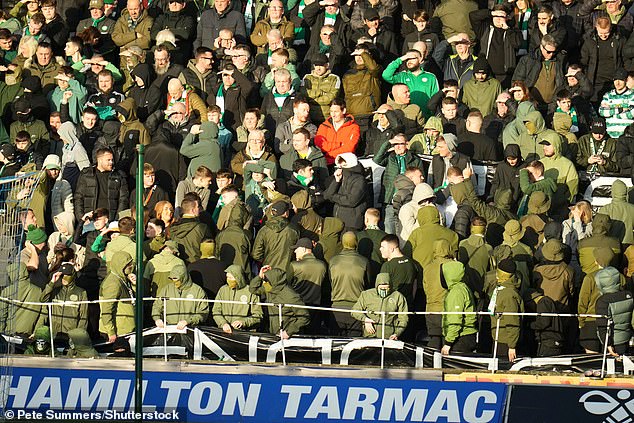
(333, 142)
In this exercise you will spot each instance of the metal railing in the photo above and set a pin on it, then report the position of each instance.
(165, 330)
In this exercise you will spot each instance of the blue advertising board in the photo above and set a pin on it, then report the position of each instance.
(62, 394)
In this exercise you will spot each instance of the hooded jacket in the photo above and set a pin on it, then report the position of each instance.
(80, 344)
(233, 243)
(349, 195)
(481, 95)
(203, 149)
(506, 298)
(617, 305)
(188, 232)
(561, 170)
(428, 231)
(420, 143)
(408, 213)
(507, 176)
(227, 313)
(590, 293)
(622, 214)
(601, 226)
(372, 304)
(555, 278)
(349, 274)
(21, 318)
(117, 318)
(475, 253)
(131, 133)
(310, 224)
(158, 269)
(403, 191)
(193, 312)
(66, 316)
(293, 319)
(329, 236)
(434, 290)
(147, 98)
(529, 141)
(458, 298)
(307, 278)
(272, 245)
(74, 157)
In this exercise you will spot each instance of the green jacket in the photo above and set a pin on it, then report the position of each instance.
(499, 213)
(117, 318)
(481, 95)
(428, 231)
(80, 345)
(588, 146)
(475, 254)
(622, 214)
(370, 246)
(392, 164)
(349, 276)
(329, 243)
(588, 296)
(19, 318)
(529, 142)
(516, 127)
(320, 91)
(507, 299)
(158, 269)
(293, 319)
(188, 233)
(561, 170)
(600, 238)
(120, 243)
(362, 87)
(372, 304)
(272, 245)
(458, 298)
(421, 87)
(306, 277)
(193, 312)
(36, 129)
(203, 149)
(547, 185)
(67, 316)
(227, 313)
(434, 291)
(454, 15)
(420, 143)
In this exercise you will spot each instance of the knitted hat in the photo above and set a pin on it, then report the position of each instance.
(36, 235)
(349, 241)
(603, 256)
(538, 203)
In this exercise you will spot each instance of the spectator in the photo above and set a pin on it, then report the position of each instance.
(339, 134)
(272, 245)
(231, 316)
(189, 231)
(348, 191)
(616, 105)
(133, 27)
(180, 313)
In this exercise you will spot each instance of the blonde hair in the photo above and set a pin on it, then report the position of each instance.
(29, 42)
(586, 211)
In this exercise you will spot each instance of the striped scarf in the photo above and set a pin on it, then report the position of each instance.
(522, 25)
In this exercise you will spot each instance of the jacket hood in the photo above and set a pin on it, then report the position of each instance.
(434, 122)
(428, 215)
(562, 122)
(619, 191)
(554, 139)
(403, 182)
(503, 199)
(179, 272)
(350, 159)
(453, 272)
(142, 70)
(301, 200)
(277, 279)
(67, 219)
(237, 273)
(127, 108)
(537, 119)
(513, 150)
(553, 230)
(423, 192)
(42, 332)
(277, 223)
(68, 132)
(119, 261)
(383, 279)
(332, 226)
(441, 248)
(523, 109)
(601, 224)
(608, 280)
(18, 272)
(239, 215)
(81, 344)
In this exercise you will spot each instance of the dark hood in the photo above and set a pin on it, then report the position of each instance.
(143, 71)
(513, 150)
(403, 182)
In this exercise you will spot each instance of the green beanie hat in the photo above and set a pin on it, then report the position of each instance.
(36, 235)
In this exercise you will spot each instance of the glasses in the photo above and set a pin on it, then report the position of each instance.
(327, 34)
(549, 51)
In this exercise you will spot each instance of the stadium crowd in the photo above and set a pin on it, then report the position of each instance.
(264, 122)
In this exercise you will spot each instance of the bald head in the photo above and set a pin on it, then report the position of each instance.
(421, 46)
(400, 93)
(134, 8)
(175, 88)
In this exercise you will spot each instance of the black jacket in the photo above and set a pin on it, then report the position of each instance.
(625, 154)
(276, 115)
(590, 53)
(530, 66)
(87, 190)
(235, 98)
(374, 138)
(438, 172)
(506, 176)
(479, 147)
(168, 164)
(57, 31)
(350, 197)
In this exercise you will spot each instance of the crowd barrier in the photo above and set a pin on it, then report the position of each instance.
(380, 342)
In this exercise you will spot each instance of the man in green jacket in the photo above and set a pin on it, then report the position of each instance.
(189, 231)
(422, 85)
(202, 147)
(270, 284)
(376, 301)
(475, 253)
(157, 270)
(601, 226)
(561, 170)
(233, 243)
(458, 330)
(622, 214)
(506, 299)
(435, 292)
(19, 318)
(272, 245)
(62, 289)
(428, 231)
(176, 312)
(117, 318)
(233, 316)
